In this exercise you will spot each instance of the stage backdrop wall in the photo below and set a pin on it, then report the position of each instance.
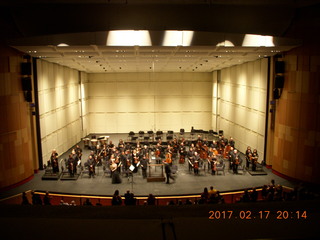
(123, 102)
(60, 108)
(239, 100)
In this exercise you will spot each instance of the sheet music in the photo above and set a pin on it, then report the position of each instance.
(131, 168)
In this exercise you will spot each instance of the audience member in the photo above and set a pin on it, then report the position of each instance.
(254, 195)
(36, 199)
(25, 200)
(151, 200)
(47, 199)
(116, 199)
(87, 202)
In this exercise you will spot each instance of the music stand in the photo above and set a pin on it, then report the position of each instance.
(130, 174)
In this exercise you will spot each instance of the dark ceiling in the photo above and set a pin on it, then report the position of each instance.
(299, 19)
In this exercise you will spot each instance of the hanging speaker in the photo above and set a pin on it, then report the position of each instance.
(279, 66)
(28, 96)
(26, 84)
(26, 68)
(279, 81)
(276, 94)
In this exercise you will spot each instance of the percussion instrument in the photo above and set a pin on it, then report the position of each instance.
(86, 142)
(94, 142)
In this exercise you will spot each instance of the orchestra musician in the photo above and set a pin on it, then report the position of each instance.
(190, 155)
(54, 161)
(126, 161)
(169, 156)
(230, 155)
(235, 159)
(231, 142)
(144, 165)
(72, 163)
(158, 153)
(135, 160)
(145, 151)
(212, 161)
(248, 158)
(121, 145)
(254, 159)
(196, 163)
(182, 153)
(91, 166)
(78, 151)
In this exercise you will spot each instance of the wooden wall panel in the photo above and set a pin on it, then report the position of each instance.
(16, 156)
(297, 127)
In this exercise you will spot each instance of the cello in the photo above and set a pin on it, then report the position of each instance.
(169, 157)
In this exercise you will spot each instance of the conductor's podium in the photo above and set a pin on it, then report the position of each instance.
(156, 173)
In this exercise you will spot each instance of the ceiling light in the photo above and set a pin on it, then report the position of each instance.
(63, 45)
(252, 40)
(226, 43)
(177, 38)
(129, 38)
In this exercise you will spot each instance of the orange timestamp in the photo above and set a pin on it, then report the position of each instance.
(259, 215)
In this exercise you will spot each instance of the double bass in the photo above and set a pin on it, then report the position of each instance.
(204, 152)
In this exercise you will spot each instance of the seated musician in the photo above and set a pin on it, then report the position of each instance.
(212, 162)
(145, 151)
(214, 144)
(54, 161)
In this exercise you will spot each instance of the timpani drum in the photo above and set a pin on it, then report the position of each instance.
(94, 142)
(103, 140)
(86, 142)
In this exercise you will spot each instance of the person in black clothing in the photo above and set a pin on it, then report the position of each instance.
(87, 202)
(116, 199)
(25, 200)
(47, 199)
(167, 169)
(254, 195)
(144, 165)
(54, 161)
(127, 198)
(36, 199)
(151, 200)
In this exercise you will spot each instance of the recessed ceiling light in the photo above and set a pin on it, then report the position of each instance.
(63, 45)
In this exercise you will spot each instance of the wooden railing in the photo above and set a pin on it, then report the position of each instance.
(229, 197)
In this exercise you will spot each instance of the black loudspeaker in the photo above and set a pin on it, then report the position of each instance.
(276, 94)
(279, 67)
(26, 84)
(26, 68)
(28, 96)
(279, 81)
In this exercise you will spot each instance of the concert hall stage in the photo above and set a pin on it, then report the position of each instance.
(185, 182)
